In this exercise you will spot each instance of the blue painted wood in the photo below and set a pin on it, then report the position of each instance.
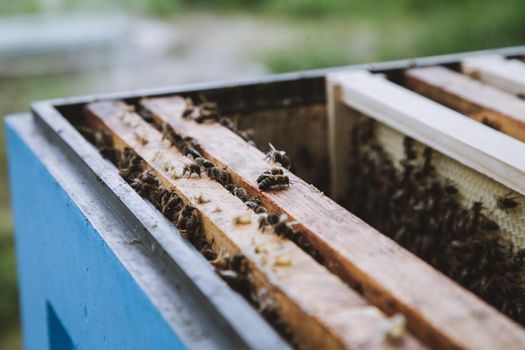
(63, 261)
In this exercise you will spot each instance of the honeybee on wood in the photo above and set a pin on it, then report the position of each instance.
(268, 173)
(274, 181)
(168, 203)
(228, 123)
(146, 184)
(219, 175)
(188, 221)
(129, 163)
(207, 111)
(191, 168)
(169, 134)
(189, 147)
(254, 204)
(268, 220)
(204, 163)
(189, 108)
(247, 135)
(278, 157)
(235, 272)
(491, 123)
(506, 202)
(237, 191)
(284, 228)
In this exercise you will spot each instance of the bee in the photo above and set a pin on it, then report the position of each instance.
(169, 134)
(235, 272)
(450, 189)
(491, 124)
(237, 191)
(207, 111)
(228, 123)
(427, 167)
(284, 229)
(507, 201)
(278, 157)
(129, 164)
(366, 131)
(219, 175)
(146, 184)
(269, 173)
(188, 147)
(168, 203)
(268, 220)
(274, 181)
(476, 215)
(408, 144)
(253, 202)
(191, 168)
(489, 225)
(204, 163)
(189, 108)
(246, 135)
(187, 221)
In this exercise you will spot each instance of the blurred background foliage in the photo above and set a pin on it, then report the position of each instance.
(311, 34)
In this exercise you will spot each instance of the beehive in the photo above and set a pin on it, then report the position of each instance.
(325, 276)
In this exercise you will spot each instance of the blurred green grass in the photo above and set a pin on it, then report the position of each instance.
(331, 33)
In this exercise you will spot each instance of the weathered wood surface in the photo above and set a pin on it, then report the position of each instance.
(320, 310)
(505, 74)
(440, 312)
(500, 110)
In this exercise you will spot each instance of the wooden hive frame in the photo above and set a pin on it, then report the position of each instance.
(491, 106)
(498, 71)
(316, 307)
(353, 250)
(295, 89)
(357, 93)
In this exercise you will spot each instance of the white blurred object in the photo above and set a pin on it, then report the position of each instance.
(75, 42)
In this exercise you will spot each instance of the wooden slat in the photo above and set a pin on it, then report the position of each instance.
(470, 97)
(438, 311)
(318, 307)
(505, 74)
(339, 145)
(473, 144)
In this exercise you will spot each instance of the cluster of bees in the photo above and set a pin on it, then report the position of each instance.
(209, 111)
(273, 178)
(233, 269)
(132, 170)
(424, 213)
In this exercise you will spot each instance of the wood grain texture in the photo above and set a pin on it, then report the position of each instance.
(470, 97)
(440, 312)
(317, 306)
(505, 74)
